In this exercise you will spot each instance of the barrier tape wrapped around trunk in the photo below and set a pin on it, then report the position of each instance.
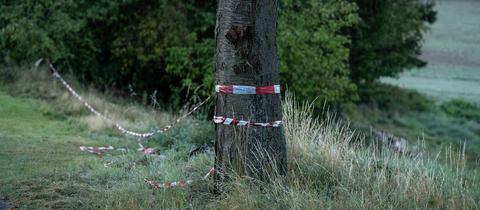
(118, 126)
(247, 90)
(181, 183)
(233, 121)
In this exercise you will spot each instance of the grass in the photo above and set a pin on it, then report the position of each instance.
(41, 129)
(43, 167)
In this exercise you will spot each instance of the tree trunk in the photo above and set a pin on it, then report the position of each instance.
(246, 55)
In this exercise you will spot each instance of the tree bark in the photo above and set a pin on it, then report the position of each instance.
(246, 54)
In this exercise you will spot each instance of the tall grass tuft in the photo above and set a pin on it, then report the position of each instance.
(327, 171)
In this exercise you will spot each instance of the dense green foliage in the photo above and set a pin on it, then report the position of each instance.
(314, 52)
(147, 44)
(168, 46)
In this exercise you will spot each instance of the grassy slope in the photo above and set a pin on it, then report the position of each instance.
(42, 166)
(418, 119)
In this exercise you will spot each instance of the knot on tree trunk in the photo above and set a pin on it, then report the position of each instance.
(236, 34)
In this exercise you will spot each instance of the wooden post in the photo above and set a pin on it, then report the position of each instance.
(246, 55)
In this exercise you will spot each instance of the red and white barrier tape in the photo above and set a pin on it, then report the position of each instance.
(146, 150)
(167, 185)
(95, 150)
(245, 90)
(118, 126)
(98, 150)
(233, 121)
(181, 183)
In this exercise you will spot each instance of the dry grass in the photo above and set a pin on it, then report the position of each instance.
(326, 170)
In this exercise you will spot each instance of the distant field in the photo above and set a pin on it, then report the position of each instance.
(452, 49)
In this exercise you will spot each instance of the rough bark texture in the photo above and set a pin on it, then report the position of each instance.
(247, 55)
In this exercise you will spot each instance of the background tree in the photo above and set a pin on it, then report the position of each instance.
(389, 38)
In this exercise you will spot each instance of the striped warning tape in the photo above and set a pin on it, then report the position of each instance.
(233, 121)
(244, 90)
(226, 89)
(181, 183)
(96, 150)
(118, 126)
(146, 150)
(247, 90)
(168, 185)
